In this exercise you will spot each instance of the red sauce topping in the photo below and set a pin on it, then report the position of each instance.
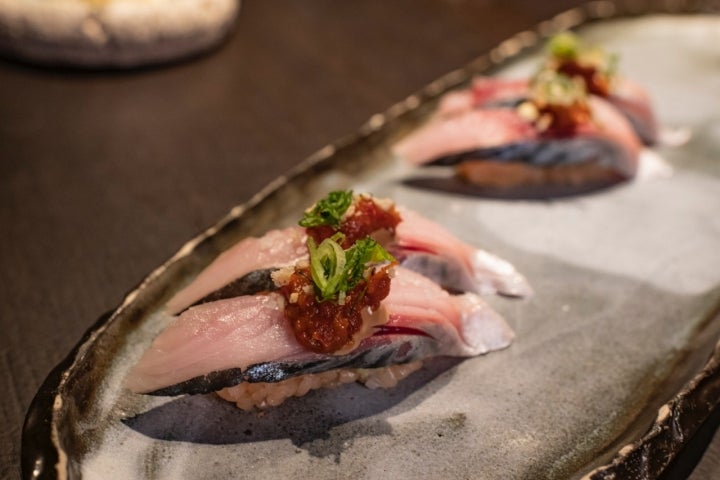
(564, 119)
(595, 82)
(367, 217)
(329, 326)
(326, 327)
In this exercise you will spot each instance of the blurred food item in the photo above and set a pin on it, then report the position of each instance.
(112, 33)
(575, 126)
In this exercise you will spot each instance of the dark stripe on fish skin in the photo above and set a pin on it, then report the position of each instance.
(509, 103)
(211, 382)
(376, 352)
(546, 153)
(257, 281)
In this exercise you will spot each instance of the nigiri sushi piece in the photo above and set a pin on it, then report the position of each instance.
(416, 242)
(344, 312)
(245, 348)
(480, 130)
(560, 135)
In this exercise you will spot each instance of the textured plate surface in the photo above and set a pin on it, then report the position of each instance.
(627, 288)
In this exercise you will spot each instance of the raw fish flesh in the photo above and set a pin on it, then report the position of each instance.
(634, 102)
(277, 248)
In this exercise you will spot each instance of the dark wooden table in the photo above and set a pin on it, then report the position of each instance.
(104, 175)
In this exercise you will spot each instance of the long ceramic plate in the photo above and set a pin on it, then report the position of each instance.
(609, 375)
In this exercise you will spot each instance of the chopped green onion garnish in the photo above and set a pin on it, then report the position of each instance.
(551, 88)
(329, 210)
(327, 266)
(564, 45)
(336, 271)
(568, 46)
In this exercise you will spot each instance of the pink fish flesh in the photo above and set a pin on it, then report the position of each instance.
(485, 92)
(247, 339)
(635, 103)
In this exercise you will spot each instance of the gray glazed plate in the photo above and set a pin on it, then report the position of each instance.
(609, 375)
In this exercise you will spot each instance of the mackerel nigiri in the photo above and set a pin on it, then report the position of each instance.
(338, 309)
(557, 134)
(574, 126)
